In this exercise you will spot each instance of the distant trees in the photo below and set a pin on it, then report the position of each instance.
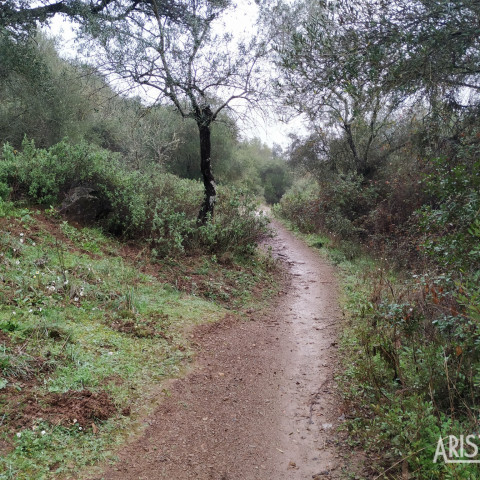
(47, 98)
(39, 95)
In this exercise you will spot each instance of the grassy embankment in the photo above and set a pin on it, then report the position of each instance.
(89, 329)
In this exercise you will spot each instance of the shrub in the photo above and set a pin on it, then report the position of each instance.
(300, 205)
(451, 222)
(170, 229)
(411, 368)
(337, 208)
(237, 225)
(147, 205)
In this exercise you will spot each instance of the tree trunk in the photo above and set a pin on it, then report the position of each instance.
(351, 143)
(208, 205)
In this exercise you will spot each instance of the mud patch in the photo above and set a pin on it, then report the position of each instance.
(84, 406)
(5, 447)
(73, 407)
(4, 339)
(133, 324)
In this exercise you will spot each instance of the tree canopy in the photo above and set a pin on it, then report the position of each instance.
(19, 15)
(187, 61)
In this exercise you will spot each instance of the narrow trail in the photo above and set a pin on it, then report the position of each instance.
(260, 403)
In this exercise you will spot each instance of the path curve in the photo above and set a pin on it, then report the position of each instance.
(260, 403)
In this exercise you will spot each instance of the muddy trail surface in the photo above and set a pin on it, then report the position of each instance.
(260, 402)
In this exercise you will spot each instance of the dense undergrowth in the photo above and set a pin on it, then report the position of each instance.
(147, 205)
(411, 342)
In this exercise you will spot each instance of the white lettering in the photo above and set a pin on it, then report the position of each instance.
(440, 451)
(469, 442)
(452, 446)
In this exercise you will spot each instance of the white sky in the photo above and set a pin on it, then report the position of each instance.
(240, 24)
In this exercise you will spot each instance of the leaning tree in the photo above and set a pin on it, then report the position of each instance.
(187, 59)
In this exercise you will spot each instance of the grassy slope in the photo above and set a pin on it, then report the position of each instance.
(86, 338)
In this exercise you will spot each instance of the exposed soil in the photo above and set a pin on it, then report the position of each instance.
(261, 401)
(81, 408)
(133, 324)
(4, 339)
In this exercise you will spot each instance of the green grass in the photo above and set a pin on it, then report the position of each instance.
(74, 315)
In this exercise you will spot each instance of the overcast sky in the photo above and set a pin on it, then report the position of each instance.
(240, 24)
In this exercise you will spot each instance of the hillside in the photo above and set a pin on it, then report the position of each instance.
(89, 330)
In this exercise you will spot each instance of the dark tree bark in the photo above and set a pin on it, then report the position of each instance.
(12, 15)
(351, 143)
(209, 199)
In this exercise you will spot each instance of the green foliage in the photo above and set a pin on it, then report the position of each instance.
(237, 226)
(337, 208)
(40, 96)
(149, 205)
(409, 369)
(451, 223)
(275, 180)
(320, 53)
(170, 229)
(299, 205)
(409, 32)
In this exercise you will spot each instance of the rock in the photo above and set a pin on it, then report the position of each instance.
(82, 205)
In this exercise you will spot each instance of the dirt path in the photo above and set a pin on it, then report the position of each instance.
(260, 403)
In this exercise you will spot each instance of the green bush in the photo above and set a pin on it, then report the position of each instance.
(451, 222)
(300, 206)
(148, 205)
(337, 208)
(170, 229)
(411, 369)
(237, 225)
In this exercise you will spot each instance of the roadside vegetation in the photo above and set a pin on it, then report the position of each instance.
(388, 182)
(104, 266)
(106, 260)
